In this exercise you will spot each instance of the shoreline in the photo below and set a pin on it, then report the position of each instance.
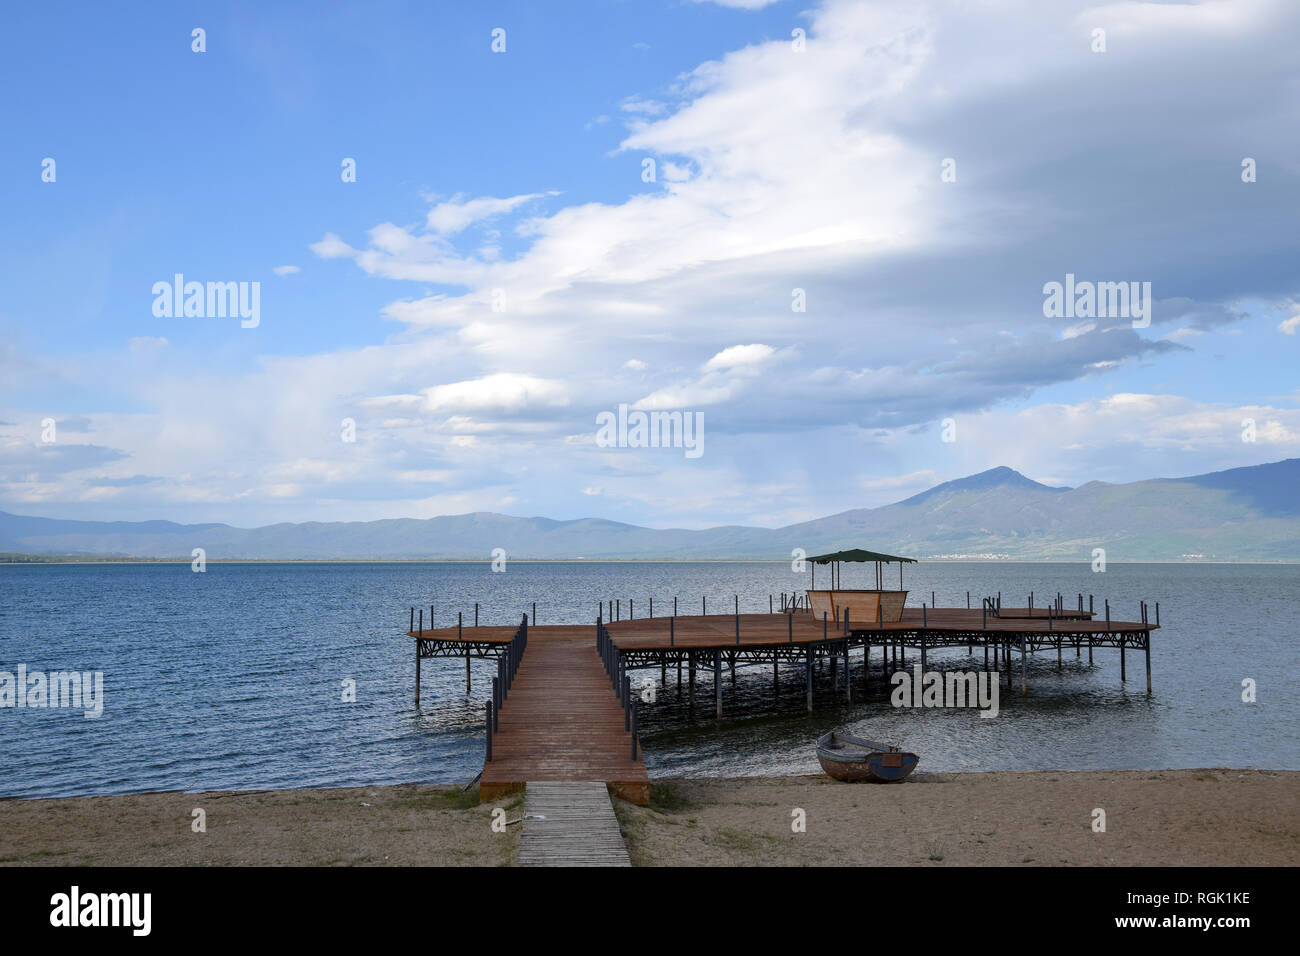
(481, 560)
(1205, 817)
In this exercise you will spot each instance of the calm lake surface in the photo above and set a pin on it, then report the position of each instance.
(232, 679)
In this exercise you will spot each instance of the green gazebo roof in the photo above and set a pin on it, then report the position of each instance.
(858, 554)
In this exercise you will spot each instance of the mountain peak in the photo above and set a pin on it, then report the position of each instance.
(998, 477)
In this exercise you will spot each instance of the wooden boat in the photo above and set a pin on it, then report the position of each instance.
(855, 760)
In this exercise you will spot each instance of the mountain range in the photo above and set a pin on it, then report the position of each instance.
(1243, 514)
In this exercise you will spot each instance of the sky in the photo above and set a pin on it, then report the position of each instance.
(824, 230)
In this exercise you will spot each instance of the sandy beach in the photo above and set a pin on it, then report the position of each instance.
(1153, 818)
(356, 826)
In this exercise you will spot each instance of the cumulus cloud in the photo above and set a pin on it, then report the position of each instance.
(739, 356)
(817, 172)
(504, 393)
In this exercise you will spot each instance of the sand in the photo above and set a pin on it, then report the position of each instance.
(362, 826)
(1153, 818)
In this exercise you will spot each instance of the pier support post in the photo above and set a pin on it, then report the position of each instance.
(690, 690)
(848, 680)
(717, 684)
(808, 675)
(417, 674)
(1123, 670)
(635, 732)
(921, 638)
(1024, 669)
(1148, 653)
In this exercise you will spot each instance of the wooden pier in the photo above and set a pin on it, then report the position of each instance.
(554, 714)
(563, 706)
(796, 637)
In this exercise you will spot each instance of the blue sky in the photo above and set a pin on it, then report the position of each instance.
(777, 168)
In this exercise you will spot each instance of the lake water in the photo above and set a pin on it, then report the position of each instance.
(232, 678)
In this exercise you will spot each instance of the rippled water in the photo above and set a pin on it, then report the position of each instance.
(233, 678)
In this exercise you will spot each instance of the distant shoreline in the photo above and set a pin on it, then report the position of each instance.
(481, 559)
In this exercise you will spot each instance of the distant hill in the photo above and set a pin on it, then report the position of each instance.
(1243, 514)
(1000, 477)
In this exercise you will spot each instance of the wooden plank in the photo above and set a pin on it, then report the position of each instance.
(561, 721)
(570, 824)
(719, 631)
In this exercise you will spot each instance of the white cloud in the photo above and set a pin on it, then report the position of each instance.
(779, 170)
(643, 107)
(332, 247)
(451, 217)
(285, 270)
(738, 356)
(503, 392)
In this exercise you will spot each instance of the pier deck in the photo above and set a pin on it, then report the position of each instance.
(561, 721)
(938, 627)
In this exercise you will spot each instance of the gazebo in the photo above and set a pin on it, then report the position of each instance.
(864, 605)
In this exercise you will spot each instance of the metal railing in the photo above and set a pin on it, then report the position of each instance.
(616, 669)
(507, 667)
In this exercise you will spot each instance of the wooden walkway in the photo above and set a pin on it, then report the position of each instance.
(561, 722)
(758, 630)
(570, 824)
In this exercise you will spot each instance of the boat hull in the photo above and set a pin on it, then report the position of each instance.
(853, 760)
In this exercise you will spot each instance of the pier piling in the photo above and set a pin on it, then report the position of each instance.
(808, 675)
(717, 684)
(1148, 656)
